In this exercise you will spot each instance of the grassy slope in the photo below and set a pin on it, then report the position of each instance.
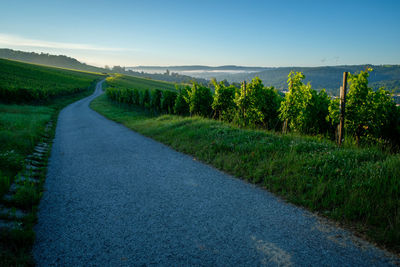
(360, 187)
(21, 128)
(48, 60)
(22, 125)
(15, 74)
(125, 81)
(28, 83)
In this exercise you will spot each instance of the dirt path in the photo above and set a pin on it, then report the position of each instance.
(116, 198)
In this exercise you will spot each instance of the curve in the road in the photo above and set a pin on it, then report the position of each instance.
(115, 198)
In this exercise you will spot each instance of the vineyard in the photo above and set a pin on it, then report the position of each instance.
(28, 83)
(125, 81)
(240, 131)
(372, 116)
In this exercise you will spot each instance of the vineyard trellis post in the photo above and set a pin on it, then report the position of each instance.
(343, 90)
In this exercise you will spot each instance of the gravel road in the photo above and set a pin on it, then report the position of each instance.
(116, 198)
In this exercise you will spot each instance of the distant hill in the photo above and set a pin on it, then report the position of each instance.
(60, 61)
(329, 77)
(161, 69)
(72, 63)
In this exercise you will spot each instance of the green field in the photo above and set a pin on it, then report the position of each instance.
(28, 83)
(125, 81)
(359, 187)
(30, 97)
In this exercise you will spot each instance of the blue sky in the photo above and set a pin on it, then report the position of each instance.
(250, 33)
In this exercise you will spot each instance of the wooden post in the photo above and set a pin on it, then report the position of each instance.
(342, 108)
(284, 127)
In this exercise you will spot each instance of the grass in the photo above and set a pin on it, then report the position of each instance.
(20, 129)
(29, 83)
(22, 126)
(359, 187)
(16, 252)
(27, 196)
(126, 81)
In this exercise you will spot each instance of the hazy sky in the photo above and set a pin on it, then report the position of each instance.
(251, 33)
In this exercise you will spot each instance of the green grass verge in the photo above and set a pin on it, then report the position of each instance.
(359, 187)
(21, 128)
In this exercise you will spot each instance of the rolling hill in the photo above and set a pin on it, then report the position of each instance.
(329, 77)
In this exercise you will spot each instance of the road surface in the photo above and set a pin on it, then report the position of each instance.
(115, 198)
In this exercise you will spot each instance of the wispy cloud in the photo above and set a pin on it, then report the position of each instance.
(18, 41)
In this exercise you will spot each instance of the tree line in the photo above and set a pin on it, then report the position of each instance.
(371, 116)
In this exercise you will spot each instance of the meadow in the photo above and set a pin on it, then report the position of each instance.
(358, 186)
(30, 97)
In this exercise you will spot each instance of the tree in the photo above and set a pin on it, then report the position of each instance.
(156, 99)
(295, 101)
(136, 97)
(225, 82)
(316, 113)
(369, 114)
(181, 106)
(168, 101)
(267, 101)
(223, 99)
(118, 69)
(244, 100)
(200, 100)
(257, 105)
(304, 110)
(387, 117)
(145, 100)
(125, 96)
(334, 116)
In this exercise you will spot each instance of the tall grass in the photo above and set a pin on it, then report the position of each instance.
(20, 130)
